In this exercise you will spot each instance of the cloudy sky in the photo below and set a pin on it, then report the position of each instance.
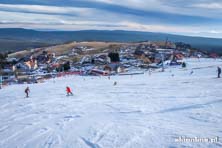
(186, 17)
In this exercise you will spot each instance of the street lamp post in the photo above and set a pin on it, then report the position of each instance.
(162, 56)
(0, 82)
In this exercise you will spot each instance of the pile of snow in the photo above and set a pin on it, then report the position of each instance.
(148, 110)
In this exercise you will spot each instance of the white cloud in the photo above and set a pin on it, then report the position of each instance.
(215, 32)
(124, 25)
(190, 8)
(46, 9)
(160, 28)
(168, 7)
(74, 18)
(209, 5)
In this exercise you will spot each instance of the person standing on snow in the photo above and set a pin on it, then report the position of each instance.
(184, 65)
(69, 91)
(218, 71)
(27, 92)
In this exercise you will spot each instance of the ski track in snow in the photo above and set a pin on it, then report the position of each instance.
(140, 111)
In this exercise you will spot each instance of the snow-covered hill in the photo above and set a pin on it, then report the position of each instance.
(140, 111)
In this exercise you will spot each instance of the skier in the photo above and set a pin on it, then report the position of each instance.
(68, 90)
(115, 83)
(218, 71)
(27, 92)
(184, 65)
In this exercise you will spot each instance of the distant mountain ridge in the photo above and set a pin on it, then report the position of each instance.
(18, 39)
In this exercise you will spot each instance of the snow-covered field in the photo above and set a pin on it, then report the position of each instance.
(141, 111)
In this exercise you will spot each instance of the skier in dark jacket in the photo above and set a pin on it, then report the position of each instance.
(184, 65)
(218, 71)
(27, 90)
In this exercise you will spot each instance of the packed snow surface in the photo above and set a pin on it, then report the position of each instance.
(141, 111)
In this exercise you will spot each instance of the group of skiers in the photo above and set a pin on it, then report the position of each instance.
(69, 91)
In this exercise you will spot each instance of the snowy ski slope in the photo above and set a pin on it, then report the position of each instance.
(141, 111)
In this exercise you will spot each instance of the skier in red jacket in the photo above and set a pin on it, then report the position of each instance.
(69, 91)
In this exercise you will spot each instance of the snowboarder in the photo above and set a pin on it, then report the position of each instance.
(68, 90)
(218, 71)
(27, 90)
